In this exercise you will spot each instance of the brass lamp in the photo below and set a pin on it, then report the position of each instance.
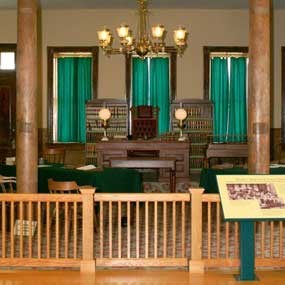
(105, 115)
(181, 115)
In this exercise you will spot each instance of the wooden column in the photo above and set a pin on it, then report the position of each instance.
(26, 103)
(259, 87)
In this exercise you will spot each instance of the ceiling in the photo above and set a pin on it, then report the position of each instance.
(131, 4)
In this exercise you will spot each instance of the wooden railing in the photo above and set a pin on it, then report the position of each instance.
(42, 230)
(170, 229)
(143, 229)
(220, 242)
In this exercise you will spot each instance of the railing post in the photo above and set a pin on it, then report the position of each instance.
(88, 262)
(196, 265)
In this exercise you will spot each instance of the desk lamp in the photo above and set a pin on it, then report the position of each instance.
(181, 115)
(105, 115)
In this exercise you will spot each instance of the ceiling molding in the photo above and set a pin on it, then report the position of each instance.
(131, 4)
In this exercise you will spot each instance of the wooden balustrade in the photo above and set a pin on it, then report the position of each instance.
(42, 230)
(152, 229)
(142, 229)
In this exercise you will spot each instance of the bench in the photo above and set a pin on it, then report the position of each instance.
(148, 162)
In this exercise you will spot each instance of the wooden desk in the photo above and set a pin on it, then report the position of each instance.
(148, 162)
(227, 150)
(164, 149)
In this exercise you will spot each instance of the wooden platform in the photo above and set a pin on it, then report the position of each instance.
(134, 277)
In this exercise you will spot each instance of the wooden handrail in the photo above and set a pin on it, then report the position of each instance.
(142, 197)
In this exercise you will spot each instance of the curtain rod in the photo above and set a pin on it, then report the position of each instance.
(228, 54)
(72, 54)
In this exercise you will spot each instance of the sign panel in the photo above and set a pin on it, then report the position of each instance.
(252, 197)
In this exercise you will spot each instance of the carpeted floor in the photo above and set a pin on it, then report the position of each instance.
(158, 187)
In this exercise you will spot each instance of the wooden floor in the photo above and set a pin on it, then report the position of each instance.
(133, 277)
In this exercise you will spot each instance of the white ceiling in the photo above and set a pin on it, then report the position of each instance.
(131, 4)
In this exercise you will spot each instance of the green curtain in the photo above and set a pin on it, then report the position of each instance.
(237, 128)
(150, 86)
(219, 96)
(159, 91)
(139, 82)
(74, 88)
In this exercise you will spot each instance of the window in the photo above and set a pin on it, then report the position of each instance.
(226, 86)
(150, 86)
(152, 81)
(7, 60)
(72, 74)
(8, 96)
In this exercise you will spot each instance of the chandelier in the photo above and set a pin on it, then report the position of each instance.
(144, 43)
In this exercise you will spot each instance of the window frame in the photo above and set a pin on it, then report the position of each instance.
(51, 51)
(207, 51)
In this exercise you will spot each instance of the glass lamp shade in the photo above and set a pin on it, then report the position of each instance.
(129, 40)
(180, 36)
(104, 35)
(157, 31)
(104, 114)
(180, 114)
(123, 31)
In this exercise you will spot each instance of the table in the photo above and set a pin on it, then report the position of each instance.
(109, 180)
(150, 162)
(162, 148)
(208, 176)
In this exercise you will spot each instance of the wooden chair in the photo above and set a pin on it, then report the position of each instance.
(54, 155)
(65, 187)
(62, 187)
(144, 122)
(8, 184)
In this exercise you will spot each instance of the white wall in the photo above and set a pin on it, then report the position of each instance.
(206, 27)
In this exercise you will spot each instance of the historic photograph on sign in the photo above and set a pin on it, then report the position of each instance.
(252, 196)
